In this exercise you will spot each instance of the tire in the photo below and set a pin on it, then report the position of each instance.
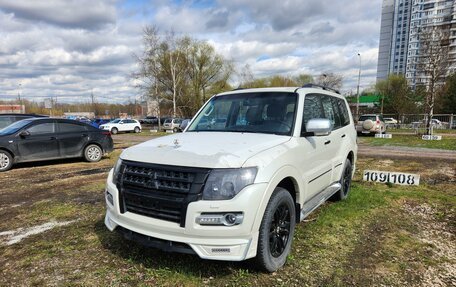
(368, 124)
(275, 238)
(345, 181)
(114, 131)
(137, 130)
(175, 130)
(6, 160)
(93, 153)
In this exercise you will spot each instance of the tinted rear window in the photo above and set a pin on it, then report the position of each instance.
(365, 118)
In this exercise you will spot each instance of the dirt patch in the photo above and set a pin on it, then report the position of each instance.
(442, 239)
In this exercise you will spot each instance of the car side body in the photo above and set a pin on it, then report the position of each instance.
(39, 139)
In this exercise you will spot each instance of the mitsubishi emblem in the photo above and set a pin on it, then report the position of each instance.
(176, 143)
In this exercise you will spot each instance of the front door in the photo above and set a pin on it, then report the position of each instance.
(40, 143)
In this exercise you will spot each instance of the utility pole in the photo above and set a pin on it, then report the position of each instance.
(357, 90)
(19, 97)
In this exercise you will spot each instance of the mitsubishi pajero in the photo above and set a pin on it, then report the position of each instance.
(251, 165)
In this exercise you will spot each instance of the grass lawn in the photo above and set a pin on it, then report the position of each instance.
(448, 143)
(381, 235)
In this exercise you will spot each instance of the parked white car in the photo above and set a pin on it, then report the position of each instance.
(122, 125)
(390, 121)
(251, 165)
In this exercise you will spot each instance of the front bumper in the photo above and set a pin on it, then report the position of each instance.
(232, 243)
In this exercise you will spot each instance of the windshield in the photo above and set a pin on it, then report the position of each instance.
(14, 127)
(115, 121)
(263, 112)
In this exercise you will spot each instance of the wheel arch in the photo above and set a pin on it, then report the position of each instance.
(288, 178)
(8, 151)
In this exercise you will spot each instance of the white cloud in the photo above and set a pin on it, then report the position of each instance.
(68, 48)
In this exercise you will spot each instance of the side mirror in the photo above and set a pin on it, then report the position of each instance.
(24, 134)
(120, 123)
(319, 127)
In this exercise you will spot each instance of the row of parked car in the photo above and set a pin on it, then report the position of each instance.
(167, 123)
(31, 137)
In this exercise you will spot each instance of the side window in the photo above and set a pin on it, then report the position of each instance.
(313, 109)
(337, 113)
(328, 110)
(70, 128)
(44, 128)
(345, 117)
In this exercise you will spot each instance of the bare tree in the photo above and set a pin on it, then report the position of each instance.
(432, 65)
(330, 80)
(246, 76)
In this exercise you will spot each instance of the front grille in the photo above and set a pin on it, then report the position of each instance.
(159, 191)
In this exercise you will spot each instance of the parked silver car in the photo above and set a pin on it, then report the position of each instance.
(172, 124)
(370, 124)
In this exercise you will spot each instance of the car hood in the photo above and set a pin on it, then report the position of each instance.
(203, 149)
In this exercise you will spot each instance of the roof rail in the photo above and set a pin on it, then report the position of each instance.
(312, 85)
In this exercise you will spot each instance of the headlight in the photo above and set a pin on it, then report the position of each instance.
(116, 171)
(224, 184)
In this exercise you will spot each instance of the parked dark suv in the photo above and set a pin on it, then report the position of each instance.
(37, 139)
(7, 119)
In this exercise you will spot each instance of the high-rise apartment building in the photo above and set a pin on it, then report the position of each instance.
(399, 34)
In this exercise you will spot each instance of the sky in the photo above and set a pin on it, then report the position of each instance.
(71, 48)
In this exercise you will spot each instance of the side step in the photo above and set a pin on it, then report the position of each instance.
(319, 199)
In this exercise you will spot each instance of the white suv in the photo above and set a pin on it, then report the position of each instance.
(119, 125)
(250, 165)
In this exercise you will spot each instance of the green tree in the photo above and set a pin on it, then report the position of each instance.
(448, 98)
(396, 95)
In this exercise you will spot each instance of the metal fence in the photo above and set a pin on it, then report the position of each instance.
(418, 121)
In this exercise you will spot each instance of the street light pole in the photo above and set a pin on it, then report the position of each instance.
(357, 90)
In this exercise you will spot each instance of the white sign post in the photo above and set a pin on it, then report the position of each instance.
(383, 136)
(391, 177)
(431, 138)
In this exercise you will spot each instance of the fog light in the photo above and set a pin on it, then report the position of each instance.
(109, 198)
(227, 219)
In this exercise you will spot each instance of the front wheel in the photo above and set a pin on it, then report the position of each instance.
(114, 131)
(276, 231)
(137, 129)
(93, 153)
(6, 160)
(345, 182)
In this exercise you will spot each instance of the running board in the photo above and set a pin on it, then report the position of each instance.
(319, 199)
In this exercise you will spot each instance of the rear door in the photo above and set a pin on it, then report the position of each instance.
(72, 138)
(315, 160)
(132, 124)
(40, 144)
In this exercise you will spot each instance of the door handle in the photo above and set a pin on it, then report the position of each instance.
(84, 135)
(327, 142)
(52, 138)
(342, 136)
